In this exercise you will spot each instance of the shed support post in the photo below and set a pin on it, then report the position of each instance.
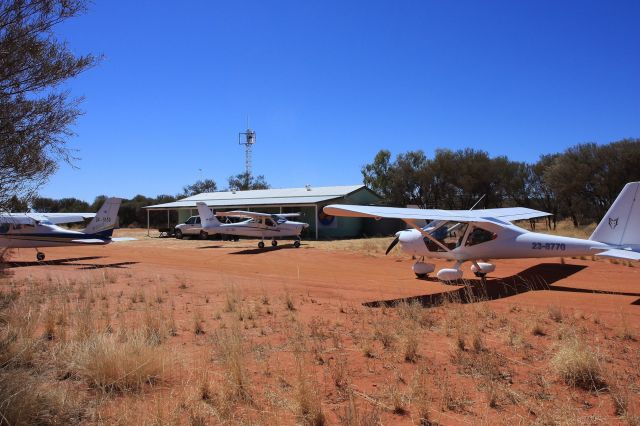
(316, 219)
(147, 222)
(168, 218)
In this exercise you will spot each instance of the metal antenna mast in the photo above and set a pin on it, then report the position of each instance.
(249, 140)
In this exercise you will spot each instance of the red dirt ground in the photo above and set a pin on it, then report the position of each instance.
(338, 288)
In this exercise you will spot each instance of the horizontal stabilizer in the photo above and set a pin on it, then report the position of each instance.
(89, 241)
(121, 239)
(620, 254)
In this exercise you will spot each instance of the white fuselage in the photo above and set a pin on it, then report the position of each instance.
(40, 235)
(509, 242)
(257, 229)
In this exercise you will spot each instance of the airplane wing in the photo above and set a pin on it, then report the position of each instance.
(241, 213)
(288, 214)
(59, 218)
(17, 218)
(501, 215)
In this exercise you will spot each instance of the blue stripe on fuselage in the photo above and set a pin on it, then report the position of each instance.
(58, 235)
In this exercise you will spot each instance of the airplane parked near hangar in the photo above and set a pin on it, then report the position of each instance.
(479, 235)
(37, 230)
(258, 225)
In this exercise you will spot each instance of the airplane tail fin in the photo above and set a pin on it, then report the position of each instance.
(207, 218)
(106, 218)
(621, 225)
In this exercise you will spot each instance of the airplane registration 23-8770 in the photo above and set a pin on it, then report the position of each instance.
(479, 235)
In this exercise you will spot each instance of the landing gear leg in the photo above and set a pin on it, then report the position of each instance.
(478, 272)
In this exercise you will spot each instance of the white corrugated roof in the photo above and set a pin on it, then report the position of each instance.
(262, 197)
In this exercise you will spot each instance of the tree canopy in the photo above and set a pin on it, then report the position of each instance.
(200, 186)
(245, 181)
(36, 114)
(580, 183)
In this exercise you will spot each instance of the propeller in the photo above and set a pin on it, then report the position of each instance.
(392, 245)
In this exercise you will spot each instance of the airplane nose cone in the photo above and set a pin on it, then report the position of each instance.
(408, 236)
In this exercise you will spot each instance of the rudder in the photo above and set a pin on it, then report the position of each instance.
(106, 218)
(207, 218)
(621, 225)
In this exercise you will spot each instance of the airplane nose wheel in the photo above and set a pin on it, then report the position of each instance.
(40, 256)
(261, 244)
(296, 243)
(274, 243)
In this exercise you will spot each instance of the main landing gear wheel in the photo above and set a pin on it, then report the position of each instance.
(296, 243)
(480, 274)
(40, 256)
(422, 275)
(274, 243)
(261, 244)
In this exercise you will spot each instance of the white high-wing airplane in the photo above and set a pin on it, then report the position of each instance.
(479, 235)
(258, 225)
(36, 230)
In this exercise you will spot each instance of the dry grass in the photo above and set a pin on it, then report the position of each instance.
(537, 328)
(231, 354)
(87, 353)
(352, 415)
(555, 313)
(198, 322)
(28, 400)
(369, 246)
(123, 363)
(566, 228)
(308, 405)
(288, 302)
(411, 342)
(578, 364)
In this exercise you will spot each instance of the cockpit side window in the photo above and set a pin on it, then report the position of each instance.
(278, 219)
(269, 222)
(479, 236)
(449, 234)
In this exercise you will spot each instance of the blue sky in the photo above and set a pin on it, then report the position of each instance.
(327, 84)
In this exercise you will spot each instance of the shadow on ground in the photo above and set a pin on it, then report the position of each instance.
(538, 277)
(267, 249)
(73, 261)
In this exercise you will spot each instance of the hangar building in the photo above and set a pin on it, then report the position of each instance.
(308, 201)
